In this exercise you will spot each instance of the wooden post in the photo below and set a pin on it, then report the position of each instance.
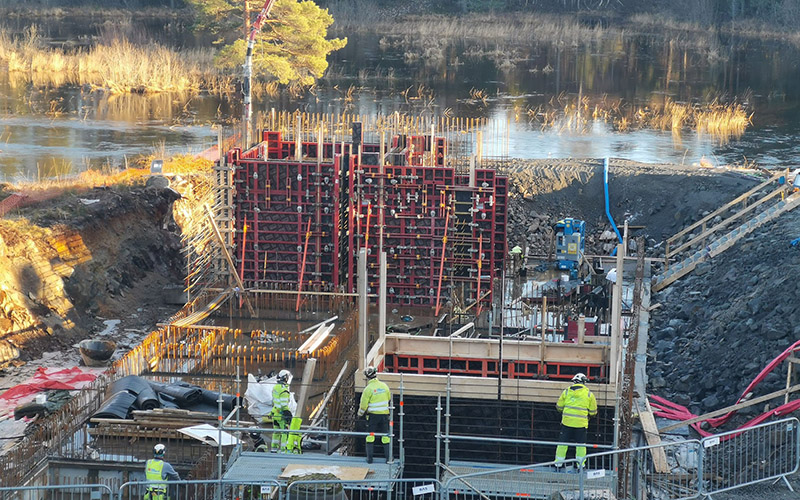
(479, 149)
(544, 329)
(308, 376)
(382, 300)
(298, 141)
(581, 328)
(362, 308)
(616, 310)
(792, 360)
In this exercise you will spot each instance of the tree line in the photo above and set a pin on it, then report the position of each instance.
(784, 13)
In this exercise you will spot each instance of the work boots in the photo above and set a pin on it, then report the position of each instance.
(370, 447)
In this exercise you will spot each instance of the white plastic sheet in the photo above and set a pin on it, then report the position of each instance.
(259, 396)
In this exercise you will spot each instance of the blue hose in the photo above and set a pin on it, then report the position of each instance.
(608, 207)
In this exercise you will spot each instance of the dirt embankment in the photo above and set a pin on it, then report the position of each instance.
(69, 263)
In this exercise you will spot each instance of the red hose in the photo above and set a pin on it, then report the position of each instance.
(673, 411)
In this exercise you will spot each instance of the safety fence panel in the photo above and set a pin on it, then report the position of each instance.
(388, 489)
(542, 481)
(201, 490)
(668, 471)
(58, 492)
(760, 453)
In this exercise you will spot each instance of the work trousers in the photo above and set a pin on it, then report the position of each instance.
(571, 435)
(378, 424)
(279, 439)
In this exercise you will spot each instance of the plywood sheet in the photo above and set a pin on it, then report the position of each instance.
(343, 473)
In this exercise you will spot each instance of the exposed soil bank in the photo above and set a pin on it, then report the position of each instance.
(73, 261)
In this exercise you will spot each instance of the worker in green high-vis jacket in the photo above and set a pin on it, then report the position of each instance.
(281, 414)
(576, 404)
(375, 404)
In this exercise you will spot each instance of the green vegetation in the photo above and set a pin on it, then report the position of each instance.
(292, 47)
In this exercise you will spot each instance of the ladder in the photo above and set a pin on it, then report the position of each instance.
(715, 240)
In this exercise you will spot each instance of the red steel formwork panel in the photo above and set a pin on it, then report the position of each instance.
(289, 209)
(485, 367)
(414, 218)
(328, 209)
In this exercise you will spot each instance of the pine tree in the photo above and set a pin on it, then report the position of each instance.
(292, 47)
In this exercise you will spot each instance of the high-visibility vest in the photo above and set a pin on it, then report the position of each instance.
(280, 398)
(577, 404)
(154, 473)
(375, 398)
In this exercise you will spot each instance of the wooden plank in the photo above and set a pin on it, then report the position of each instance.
(653, 438)
(728, 409)
(545, 391)
(308, 377)
(791, 203)
(728, 205)
(342, 472)
(228, 258)
(725, 222)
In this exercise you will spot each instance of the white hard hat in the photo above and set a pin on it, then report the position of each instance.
(370, 372)
(284, 375)
(159, 450)
(580, 378)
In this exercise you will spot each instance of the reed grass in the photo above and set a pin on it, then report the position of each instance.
(495, 27)
(117, 66)
(722, 121)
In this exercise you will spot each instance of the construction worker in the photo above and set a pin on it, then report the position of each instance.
(156, 471)
(375, 404)
(576, 404)
(281, 415)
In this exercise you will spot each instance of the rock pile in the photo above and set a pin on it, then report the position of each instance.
(721, 325)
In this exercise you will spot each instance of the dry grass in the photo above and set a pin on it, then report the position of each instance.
(89, 179)
(721, 121)
(507, 28)
(117, 66)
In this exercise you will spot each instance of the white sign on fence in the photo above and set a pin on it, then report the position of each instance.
(595, 474)
(425, 488)
(708, 443)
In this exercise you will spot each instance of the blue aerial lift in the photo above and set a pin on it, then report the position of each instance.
(570, 240)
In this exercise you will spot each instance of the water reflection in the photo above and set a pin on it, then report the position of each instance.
(46, 131)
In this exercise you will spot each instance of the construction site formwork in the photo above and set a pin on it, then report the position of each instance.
(303, 208)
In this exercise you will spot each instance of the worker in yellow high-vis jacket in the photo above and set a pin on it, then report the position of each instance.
(576, 404)
(156, 473)
(375, 404)
(281, 414)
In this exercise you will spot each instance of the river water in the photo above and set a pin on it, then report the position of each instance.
(48, 133)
